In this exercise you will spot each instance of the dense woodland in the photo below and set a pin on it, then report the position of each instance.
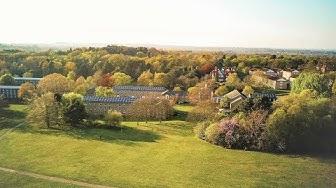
(176, 68)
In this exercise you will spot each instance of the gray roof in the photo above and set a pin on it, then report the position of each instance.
(233, 95)
(108, 99)
(271, 96)
(139, 88)
(171, 92)
(22, 78)
(9, 87)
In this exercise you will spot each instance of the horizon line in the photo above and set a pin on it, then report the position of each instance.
(168, 45)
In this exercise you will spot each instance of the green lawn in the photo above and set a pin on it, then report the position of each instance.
(275, 91)
(11, 116)
(156, 155)
(15, 180)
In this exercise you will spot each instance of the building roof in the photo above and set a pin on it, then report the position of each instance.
(89, 99)
(271, 96)
(9, 87)
(139, 88)
(171, 92)
(233, 95)
(22, 78)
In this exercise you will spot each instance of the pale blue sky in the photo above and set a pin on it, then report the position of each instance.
(225, 23)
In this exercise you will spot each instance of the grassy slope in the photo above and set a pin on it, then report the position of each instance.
(154, 155)
(11, 116)
(16, 180)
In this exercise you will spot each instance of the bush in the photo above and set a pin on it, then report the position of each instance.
(227, 133)
(205, 110)
(200, 128)
(113, 118)
(214, 135)
(300, 123)
(233, 133)
(254, 126)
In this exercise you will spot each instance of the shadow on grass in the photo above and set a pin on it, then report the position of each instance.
(10, 118)
(180, 115)
(324, 157)
(120, 135)
(327, 157)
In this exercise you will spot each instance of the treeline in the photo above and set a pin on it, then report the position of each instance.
(179, 68)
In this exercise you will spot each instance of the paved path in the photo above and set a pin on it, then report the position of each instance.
(10, 130)
(51, 178)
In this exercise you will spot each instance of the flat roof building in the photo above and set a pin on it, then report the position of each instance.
(21, 80)
(9, 92)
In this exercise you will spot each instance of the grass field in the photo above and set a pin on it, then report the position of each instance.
(15, 180)
(153, 155)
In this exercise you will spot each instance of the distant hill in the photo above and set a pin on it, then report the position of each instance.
(239, 50)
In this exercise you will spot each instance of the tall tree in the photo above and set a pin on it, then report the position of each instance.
(122, 79)
(44, 111)
(247, 90)
(150, 108)
(104, 91)
(27, 91)
(27, 75)
(222, 90)
(146, 78)
(233, 79)
(73, 108)
(312, 81)
(160, 79)
(7, 79)
(55, 83)
(300, 122)
(69, 66)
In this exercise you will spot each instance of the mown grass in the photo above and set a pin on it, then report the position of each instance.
(16, 180)
(280, 92)
(156, 155)
(11, 116)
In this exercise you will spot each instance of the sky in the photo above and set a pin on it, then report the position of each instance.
(308, 24)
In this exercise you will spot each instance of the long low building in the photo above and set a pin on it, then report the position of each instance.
(145, 91)
(138, 91)
(9, 92)
(95, 105)
(21, 80)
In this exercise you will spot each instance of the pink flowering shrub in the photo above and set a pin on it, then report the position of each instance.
(227, 133)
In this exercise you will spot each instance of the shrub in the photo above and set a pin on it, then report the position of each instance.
(233, 133)
(73, 108)
(214, 135)
(254, 125)
(227, 133)
(200, 128)
(113, 118)
(205, 110)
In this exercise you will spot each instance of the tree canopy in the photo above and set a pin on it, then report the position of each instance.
(312, 81)
(7, 79)
(55, 83)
